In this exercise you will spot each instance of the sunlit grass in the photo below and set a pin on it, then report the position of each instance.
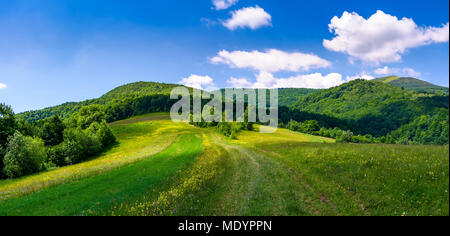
(83, 197)
(136, 141)
(372, 179)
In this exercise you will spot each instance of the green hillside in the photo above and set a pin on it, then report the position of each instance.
(288, 96)
(140, 88)
(154, 95)
(370, 107)
(413, 84)
(129, 96)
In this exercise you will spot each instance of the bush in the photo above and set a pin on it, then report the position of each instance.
(55, 156)
(24, 155)
(103, 133)
(79, 145)
(230, 129)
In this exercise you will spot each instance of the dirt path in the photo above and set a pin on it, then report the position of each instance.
(258, 184)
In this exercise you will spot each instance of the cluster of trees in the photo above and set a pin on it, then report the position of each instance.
(228, 129)
(30, 147)
(424, 130)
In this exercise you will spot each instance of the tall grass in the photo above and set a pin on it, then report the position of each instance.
(373, 179)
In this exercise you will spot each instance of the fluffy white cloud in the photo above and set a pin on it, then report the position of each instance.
(223, 4)
(198, 82)
(251, 17)
(239, 83)
(3, 86)
(397, 71)
(316, 80)
(270, 61)
(380, 38)
(268, 80)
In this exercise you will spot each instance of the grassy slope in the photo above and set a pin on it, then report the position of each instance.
(135, 142)
(285, 173)
(367, 179)
(103, 191)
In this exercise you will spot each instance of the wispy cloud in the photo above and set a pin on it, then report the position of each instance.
(397, 71)
(3, 86)
(208, 22)
(223, 4)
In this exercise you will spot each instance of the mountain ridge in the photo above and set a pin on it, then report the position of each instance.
(414, 84)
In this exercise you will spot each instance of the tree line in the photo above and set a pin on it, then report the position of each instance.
(30, 147)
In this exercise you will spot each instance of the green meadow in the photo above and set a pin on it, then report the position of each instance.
(158, 167)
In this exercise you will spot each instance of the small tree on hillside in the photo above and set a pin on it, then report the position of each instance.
(7, 124)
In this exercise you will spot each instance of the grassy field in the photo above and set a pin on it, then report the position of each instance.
(163, 168)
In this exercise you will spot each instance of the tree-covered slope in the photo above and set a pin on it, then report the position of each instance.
(371, 107)
(141, 88)
(288, 96)
(414, 84)
(139, 92)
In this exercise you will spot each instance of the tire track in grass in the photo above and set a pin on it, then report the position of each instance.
(259, 185)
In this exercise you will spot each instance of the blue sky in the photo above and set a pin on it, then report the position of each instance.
(54, 51)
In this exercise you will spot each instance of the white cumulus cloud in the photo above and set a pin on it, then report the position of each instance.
(397, 71)
(315, 80)
(223, 4)
(268, 80)
(270, 61)
(3, 86)
(381, 37)
(251, 17)
(198, 82)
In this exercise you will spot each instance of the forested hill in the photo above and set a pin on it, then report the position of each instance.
(132, 99)
(140, 88)
(414, 84)
(371, 107)
(124, 100)
(289, 96)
